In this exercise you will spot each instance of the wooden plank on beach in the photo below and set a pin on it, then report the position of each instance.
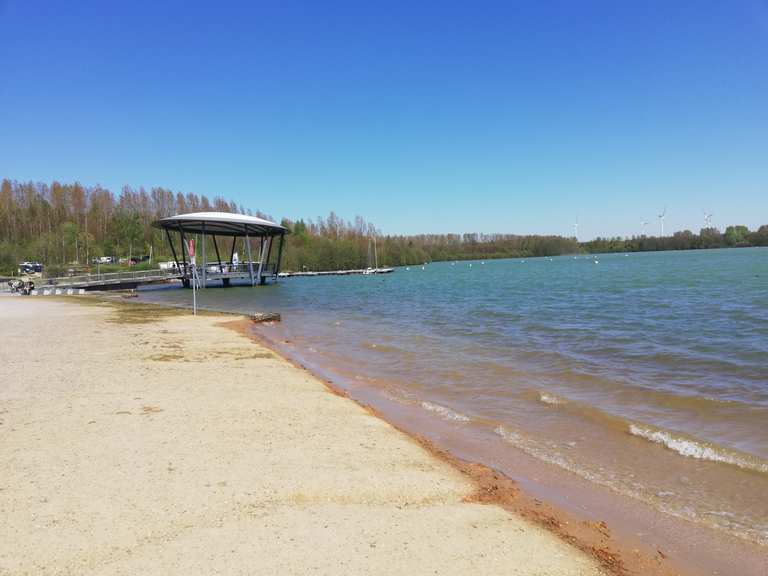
(259, 317)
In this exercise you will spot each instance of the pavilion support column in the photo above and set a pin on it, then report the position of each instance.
(173, 250)
(218, 256)
(205, 262)
(268, 256)
(250, 259)
(188, 277)
(261, 262)
(232, 255)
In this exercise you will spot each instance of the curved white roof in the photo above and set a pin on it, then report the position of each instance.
(221, 223)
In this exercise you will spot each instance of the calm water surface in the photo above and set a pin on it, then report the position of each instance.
(645, 373)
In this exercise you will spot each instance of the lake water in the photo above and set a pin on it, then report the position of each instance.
(644, 373)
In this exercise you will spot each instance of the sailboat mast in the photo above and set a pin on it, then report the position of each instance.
(368, 260)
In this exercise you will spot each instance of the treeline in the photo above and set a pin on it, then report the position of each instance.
(733, 237)
(332, 243)
(65, 224)
(61, 224)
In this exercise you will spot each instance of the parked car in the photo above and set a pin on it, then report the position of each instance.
(30, 268)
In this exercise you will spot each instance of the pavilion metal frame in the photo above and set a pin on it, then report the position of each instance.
(235, 226)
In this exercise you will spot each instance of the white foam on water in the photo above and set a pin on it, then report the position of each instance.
(547, 455)
(693, 449)
(508, 435)
(400, 396)
(602, 476)
(445, 413)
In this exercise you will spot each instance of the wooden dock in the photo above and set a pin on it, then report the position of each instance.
(109, 281)
(362, 271)
(132, 280)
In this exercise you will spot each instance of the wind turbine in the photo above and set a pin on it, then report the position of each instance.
(643, 226)
(707, 219)
(661, 220)
(576, 229)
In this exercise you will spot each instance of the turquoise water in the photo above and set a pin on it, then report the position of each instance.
(645, 373)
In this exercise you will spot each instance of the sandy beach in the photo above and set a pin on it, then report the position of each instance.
(162, 443)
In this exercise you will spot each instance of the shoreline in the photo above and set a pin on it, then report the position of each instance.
(200, 451)
(495, 487)
(702, 549)
(615, 550)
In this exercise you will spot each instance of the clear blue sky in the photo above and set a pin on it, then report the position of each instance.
(420, 116)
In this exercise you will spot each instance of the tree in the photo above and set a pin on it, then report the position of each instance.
(710, 238)
(736, 235)
(760, 236)
(70, 244)
(128, 228)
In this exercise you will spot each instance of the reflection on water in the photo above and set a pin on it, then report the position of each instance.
(647, 373)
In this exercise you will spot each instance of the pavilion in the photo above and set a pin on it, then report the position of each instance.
(208, 229)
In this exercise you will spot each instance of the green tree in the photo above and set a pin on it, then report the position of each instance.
(760, 236)
(736, 235)
(70, 241)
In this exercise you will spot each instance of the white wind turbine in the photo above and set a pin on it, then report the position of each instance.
(576, 229)
(643, 226)
(661, 220)
(707, 219)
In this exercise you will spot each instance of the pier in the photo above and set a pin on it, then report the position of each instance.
(362, 271)
(109, 281)
(133, 279)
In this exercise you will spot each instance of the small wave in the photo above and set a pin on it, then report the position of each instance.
(444, 412)
(665, 501)
(508, 435)
(699, 450)
(399, 395)
(547, 454)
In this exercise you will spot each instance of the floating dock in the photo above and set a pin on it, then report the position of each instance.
(109, 281)
(215, 271)
(364, 272)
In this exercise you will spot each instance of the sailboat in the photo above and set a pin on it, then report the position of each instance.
(375, 269)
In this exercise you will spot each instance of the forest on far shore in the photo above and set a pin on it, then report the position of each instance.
(64, 224)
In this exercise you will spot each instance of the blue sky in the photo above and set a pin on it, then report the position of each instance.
(420, 116)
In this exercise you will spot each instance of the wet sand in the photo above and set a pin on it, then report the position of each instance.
(138, 440)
